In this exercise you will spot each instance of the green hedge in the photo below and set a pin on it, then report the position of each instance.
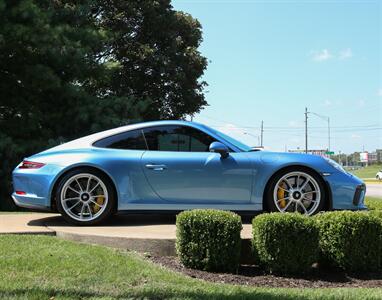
(285, 243)
(209, 239)
(374, 203)
(350, 240)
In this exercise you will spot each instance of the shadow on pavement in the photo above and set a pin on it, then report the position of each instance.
(121, 220)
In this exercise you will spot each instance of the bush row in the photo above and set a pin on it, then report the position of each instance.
(282, 243)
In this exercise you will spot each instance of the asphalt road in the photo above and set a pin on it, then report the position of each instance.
(374, 190)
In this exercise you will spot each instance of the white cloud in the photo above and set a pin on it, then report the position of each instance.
(327, 103)
(345, 54)
(321, 55)
(325, 54)
(361, 103)
(355, 136)
(380, 92)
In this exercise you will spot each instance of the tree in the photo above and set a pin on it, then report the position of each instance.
(155, 50)
(70, 68)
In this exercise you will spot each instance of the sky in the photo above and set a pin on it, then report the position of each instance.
(268, 60)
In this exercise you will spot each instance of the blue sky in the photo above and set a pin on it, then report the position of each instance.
(270, 59)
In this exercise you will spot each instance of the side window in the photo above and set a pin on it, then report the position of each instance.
(132, 140)
(177, 138)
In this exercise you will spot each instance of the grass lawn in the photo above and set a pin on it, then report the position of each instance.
(367, 172)
(40, 267)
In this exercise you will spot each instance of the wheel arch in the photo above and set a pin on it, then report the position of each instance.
(328, 191)
(78, 167)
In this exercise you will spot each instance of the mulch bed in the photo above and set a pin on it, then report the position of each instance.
(255, 276)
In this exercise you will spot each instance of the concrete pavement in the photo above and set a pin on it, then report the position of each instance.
(20, 223)
(143, 233)
(374, 190)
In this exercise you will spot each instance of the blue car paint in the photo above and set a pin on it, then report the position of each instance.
(190, 179)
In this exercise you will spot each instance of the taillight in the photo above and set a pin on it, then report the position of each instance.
(31, 165)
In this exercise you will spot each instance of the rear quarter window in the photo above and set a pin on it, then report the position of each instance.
(129, 140)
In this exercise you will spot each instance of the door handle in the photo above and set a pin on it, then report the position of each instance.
(156, 167)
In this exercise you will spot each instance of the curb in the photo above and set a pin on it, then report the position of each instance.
(154, 247)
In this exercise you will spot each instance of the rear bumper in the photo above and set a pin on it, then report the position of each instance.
(36, 185)
(30, 202)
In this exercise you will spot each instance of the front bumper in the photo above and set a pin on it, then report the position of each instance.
(348, 191)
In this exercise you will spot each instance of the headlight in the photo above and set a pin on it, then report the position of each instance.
(335, 165)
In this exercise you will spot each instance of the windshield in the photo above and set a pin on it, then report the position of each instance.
(232, 141)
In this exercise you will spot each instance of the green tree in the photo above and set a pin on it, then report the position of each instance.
(155, 53)
(70, 68)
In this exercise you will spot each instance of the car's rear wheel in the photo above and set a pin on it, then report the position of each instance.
(85, 197)
(296, 190)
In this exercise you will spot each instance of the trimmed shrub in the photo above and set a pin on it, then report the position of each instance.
(373, 203)
(209, 239)
(285, 243)
(378, 215)
(350, 240)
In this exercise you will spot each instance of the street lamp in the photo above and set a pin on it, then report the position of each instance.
(326, 118)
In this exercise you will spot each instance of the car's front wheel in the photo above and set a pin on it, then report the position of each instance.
(85, 197)
(296, 190)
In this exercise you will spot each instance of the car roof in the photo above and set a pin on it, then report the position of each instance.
(87, 141)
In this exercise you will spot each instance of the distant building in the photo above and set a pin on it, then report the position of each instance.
(373, 158)
(379, 155)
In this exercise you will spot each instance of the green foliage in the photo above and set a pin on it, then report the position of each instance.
(209, 239)
(71, 68)
(373, 203)
(285, 243)
(350, 240)
(155, 50)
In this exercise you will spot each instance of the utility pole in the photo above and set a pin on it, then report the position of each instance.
(306, 130)
(262, 134)
(329, 134)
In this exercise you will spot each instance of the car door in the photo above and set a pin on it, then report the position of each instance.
(180, 168)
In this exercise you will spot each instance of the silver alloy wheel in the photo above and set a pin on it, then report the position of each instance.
(84, 197)
(297, 192)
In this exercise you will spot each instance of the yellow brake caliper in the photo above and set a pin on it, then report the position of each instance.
(100, 200)
(281, 195)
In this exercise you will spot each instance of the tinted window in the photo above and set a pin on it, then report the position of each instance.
(177, 138)
(133, 140)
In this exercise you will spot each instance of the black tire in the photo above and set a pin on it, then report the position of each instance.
(111, 205)
(269, 198)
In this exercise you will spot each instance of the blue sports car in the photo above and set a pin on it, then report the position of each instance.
(173, 166)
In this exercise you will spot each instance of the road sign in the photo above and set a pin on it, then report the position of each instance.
(329, 152)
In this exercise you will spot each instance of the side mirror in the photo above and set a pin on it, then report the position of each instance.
(218, 147)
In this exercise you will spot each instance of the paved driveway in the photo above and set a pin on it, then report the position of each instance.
(374, 190)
